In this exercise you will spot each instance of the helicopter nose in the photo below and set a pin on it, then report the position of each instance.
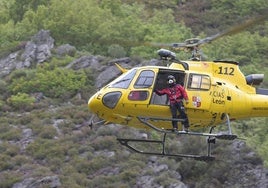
(94, 103)
(109, 100)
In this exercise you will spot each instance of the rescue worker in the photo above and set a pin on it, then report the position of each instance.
(176, 93)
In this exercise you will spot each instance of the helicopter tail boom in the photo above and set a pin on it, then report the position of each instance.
(260, 104)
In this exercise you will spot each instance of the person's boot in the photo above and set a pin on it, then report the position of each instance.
(175, 128)
(185, 128)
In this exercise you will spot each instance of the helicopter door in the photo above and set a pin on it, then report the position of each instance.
(161, 82)
(199, 89)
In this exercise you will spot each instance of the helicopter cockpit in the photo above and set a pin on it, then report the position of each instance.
(136, 91)
(140, 84)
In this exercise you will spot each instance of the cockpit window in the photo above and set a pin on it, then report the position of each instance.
(145, 79)
(138, 95)
(124, 80)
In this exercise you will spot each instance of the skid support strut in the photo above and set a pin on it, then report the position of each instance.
(229, 136)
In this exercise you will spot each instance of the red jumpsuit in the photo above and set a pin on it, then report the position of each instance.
(175, 94)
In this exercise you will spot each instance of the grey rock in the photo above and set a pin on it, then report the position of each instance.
(66, 49)
(38, 50)
(106, 76)
(49, 181)
(86, 61)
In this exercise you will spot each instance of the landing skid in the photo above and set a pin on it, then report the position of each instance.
(125, 142)
(211, 138)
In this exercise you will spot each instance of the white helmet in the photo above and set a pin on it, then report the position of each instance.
(171, 80)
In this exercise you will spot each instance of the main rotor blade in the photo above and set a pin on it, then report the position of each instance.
(173, 45)
(236, 29)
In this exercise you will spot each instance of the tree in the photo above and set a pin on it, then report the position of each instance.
(19, 8)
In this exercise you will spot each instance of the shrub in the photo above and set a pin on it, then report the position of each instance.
(59, 82)
(20, 160)
(108, 182)
(21, 101)
(48, 132)
(25, 119)
(3, 87)
(12, 150)
(89, 167)
(10, 133)
(59, 62)
(47, 149)
(104, 142)
(190, 168)
(2, 104)
(116, 51)
(5, 163)
(53, 82)
(164, 179)
(8, 179)
(129, 175)
(66, 127)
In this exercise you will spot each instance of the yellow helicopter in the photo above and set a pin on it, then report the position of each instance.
(218, 93)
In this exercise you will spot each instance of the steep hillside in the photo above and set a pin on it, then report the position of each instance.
(46, 142)
(55, 54)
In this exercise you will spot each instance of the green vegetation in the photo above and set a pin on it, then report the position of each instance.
(21, 100)
(57, 140)
(53, 83)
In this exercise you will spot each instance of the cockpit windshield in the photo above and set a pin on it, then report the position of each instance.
(145, 79)
(124, 80)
